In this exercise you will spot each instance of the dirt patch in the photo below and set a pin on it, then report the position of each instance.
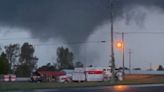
(143, 78)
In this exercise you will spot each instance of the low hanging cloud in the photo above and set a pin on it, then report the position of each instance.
(70, 19)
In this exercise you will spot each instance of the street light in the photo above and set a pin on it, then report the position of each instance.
(123, 56)
(130, 52)
(121, 45)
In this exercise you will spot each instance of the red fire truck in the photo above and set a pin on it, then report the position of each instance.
(43, 75)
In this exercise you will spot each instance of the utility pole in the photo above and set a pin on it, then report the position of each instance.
(130, 60)
(123, 52)
(122, 46)
(112, 41)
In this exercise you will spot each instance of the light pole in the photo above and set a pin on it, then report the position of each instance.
(123, 52)
(130, 60)
(121, 45)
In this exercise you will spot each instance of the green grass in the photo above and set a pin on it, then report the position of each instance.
(50, 85)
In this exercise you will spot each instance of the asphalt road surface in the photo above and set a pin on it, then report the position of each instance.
(118, 88)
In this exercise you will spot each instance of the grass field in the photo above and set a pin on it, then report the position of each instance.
(48, 85)
(143, 79)
(129, 79)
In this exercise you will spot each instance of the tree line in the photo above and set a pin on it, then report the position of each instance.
(18, 59)
(64, 60)
(21, 61)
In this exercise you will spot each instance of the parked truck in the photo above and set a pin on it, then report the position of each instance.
(42, 75)
(92, 74)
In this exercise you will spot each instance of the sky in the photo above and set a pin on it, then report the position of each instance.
(48, 24)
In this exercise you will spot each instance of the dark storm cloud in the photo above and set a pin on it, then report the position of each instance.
(73, 20)
(70, 19)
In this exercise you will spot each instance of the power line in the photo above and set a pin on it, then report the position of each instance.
(70, 43)
(139, 32)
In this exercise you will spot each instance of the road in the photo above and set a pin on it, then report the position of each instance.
(118, 88)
